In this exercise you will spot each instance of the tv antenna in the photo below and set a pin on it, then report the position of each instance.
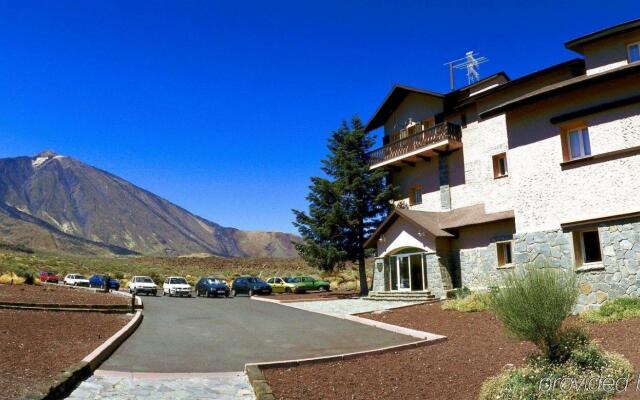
(471, 62)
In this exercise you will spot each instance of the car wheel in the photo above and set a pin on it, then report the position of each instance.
(226, 294)
(233, 293)
(287, 290)
(250, 292)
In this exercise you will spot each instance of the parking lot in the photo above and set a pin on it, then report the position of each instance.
(221, 335)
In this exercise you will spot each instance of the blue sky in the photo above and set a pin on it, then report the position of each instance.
(224, 108)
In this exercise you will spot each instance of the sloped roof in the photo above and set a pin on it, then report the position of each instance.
(562, 86)
(397, 94)
(578, 43)
(436, 223)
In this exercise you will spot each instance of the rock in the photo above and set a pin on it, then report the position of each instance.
(601, 297)
(585, 288)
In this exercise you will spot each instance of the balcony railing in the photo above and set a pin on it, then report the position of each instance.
(416, 141)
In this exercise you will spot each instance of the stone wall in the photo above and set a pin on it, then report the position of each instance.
(479, 267)
(617, 275)
(379, 275)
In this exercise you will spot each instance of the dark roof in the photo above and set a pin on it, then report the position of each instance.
(561, 87)
(578, 43)
(576, 65)
(397, 94)
(435, 223)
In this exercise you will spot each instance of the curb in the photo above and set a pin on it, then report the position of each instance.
(60, 386)
(263, 390)
(261, 386)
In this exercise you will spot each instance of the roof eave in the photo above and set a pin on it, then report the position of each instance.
(577, 44)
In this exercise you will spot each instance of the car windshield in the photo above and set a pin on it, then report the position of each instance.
(214, 280)
(255, 280)
(178, 281)
(50, 273)
(80, 277)
(290, 280)
(145, 280)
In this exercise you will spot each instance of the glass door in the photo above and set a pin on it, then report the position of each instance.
(404, 276)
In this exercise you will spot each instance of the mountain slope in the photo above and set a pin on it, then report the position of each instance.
(60, 197)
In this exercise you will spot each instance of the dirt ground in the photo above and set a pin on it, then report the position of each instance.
(477, 348)
(56, 295)
(37, 345)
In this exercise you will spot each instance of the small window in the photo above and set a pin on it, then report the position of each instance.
(578, 143)
(633, 52)
(463, 120)
(500, 168)
(505, 257)
(415, 195)
(587, 247)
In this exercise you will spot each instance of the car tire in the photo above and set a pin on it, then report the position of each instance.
(226, 294)
(233, 293)
(250, 293)
(287, 290)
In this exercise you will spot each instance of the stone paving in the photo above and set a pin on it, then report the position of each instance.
(348, 306)
(230, 387)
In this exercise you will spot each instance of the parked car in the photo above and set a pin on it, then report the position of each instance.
(143, 284)
(210, 286)
(98, 280)
(283, 285)
(311, 283)
(49, 277)
(176, 286)
(75, 280)
(250, 285)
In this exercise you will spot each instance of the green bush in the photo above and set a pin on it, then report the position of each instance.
(28, 276)
(615, 310)
(534, 304)
(461, 293)
(470, 303)
(576, 379)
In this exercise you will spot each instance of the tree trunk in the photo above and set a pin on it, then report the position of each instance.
(362, 271)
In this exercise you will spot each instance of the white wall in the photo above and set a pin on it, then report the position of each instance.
(545, 194)
(403, 234)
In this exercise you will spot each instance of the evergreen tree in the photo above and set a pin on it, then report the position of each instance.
(347, 207)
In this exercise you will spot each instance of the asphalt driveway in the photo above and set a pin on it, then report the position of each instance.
(221, 335)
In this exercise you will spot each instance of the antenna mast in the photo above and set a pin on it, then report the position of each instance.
(471, 62)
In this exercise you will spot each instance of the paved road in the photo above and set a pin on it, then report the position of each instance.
(221, 335)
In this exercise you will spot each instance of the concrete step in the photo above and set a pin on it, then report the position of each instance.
(400, 296)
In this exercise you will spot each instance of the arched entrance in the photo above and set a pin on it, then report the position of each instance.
(407, 270)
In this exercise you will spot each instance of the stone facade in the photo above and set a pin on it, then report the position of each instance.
(616, 276)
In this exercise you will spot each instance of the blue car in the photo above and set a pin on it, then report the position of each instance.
(210, 286)
(97, 280)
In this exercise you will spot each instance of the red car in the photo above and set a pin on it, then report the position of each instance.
(50, 277)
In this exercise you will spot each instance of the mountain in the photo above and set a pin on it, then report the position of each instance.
(55, 202)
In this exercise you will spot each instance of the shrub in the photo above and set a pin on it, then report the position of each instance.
(461, 293)
(615, 310)
(534, 304)
(470, 303)
(575, 379)
(28, 276)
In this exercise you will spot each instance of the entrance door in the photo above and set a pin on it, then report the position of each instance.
(404, 273)
(417, 281)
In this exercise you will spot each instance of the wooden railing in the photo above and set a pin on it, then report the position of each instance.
(422, 138)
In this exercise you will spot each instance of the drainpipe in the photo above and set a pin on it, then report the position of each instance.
(443, 175)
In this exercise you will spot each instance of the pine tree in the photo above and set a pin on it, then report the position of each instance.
(347, 207)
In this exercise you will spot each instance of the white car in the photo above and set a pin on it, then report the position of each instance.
(176, 286)
(75, 280)
(142, 284)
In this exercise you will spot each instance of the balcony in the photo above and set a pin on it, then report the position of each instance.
(418, 145)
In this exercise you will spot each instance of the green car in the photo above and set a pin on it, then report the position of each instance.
(311, 283)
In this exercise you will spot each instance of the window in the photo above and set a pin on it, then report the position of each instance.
(587, 247)
(505, 257)
(633, 52)
(500, 165)
(415, 195)
(578, 143)
(463, 120)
